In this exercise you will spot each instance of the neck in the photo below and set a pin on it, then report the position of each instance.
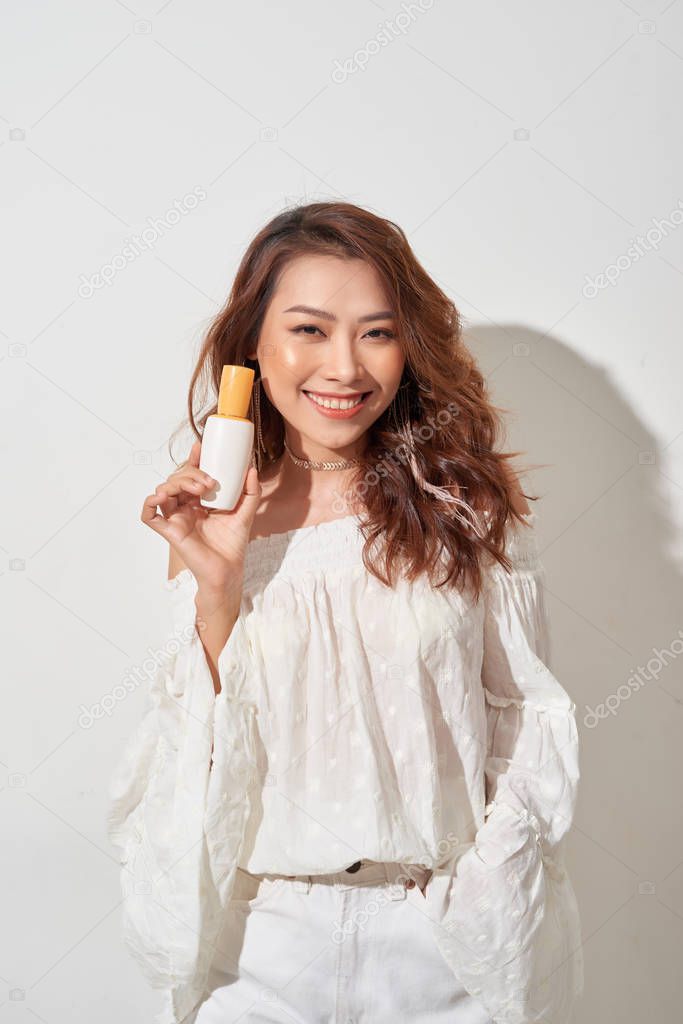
(302, 448)
(316, 486)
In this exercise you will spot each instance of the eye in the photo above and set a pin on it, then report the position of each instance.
(374, 332)
(381, 330)
(305, 327)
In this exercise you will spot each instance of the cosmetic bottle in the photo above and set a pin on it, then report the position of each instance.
(228, 439)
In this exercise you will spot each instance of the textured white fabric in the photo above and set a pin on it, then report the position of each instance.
(355, 948)
(409, 724)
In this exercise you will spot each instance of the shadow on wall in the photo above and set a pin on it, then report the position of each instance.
(614, 596)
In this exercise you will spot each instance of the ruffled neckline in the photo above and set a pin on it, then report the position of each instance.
(336, 542)
(333, 543)
(280, 537)
(317, 529)
(305, 550)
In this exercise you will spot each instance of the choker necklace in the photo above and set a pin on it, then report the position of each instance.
(307, 464)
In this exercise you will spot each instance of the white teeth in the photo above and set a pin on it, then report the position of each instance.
(335, 403)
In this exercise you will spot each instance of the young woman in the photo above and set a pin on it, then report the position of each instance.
(348, 798)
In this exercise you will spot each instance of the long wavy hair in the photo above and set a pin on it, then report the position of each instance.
(434, 491)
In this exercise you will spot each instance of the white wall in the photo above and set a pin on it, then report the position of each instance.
(523, 147)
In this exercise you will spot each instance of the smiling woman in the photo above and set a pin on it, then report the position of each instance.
(364, 724)
(344, 370)
(360, 367)
(341, 400)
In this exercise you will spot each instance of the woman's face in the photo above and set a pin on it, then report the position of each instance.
(329, 331)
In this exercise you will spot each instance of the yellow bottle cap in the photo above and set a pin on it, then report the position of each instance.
(234, 394)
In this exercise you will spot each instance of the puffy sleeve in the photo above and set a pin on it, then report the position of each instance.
(510, 925)
(174, 872)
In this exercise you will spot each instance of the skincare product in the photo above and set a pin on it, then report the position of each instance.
(228, 439)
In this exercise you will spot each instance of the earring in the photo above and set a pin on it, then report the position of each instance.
(260, 446)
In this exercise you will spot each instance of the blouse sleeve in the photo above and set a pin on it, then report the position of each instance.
(158, 805)
(511, 929)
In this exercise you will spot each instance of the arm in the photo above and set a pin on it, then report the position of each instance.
(532, 741)
(509, 924)
(216, 616)
(532, 775)
(158, 798)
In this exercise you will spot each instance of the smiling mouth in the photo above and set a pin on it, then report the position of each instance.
(337, 403)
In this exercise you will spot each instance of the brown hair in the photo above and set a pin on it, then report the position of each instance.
(451, 497)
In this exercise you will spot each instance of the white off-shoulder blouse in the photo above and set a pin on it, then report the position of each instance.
(357, 721)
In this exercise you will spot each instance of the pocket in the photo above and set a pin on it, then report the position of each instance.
(251, 892)
(489, 912)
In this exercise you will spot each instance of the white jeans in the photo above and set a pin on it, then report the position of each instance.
(344, 948)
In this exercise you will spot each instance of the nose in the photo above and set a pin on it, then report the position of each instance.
(343, 363)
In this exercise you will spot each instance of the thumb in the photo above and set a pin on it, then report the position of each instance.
(251, 495)
(252, 484)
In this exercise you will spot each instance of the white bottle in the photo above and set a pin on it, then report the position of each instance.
(228, 439)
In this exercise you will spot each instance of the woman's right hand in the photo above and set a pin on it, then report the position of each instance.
(212, 543)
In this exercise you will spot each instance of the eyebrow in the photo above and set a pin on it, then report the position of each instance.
(384, 314)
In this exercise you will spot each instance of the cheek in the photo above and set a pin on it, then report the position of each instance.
(286, 369)
(291, 364)
(387, 368)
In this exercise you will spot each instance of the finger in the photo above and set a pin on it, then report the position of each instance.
(170, 506)
(195, 473)
(179, 483)
(183, 488)
(252, 484)
(187, 499)
(250, 497)
(188, 473)
(151, 518)
(169, 503)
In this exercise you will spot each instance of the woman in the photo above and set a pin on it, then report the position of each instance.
(349, 796)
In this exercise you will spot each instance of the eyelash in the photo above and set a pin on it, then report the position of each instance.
(387, 333)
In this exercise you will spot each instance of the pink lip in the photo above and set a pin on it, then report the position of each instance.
(338, 414)
(330, 394)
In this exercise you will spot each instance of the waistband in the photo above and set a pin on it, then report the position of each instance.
(362, 872)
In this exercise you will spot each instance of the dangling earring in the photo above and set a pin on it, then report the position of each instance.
(259, 447)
